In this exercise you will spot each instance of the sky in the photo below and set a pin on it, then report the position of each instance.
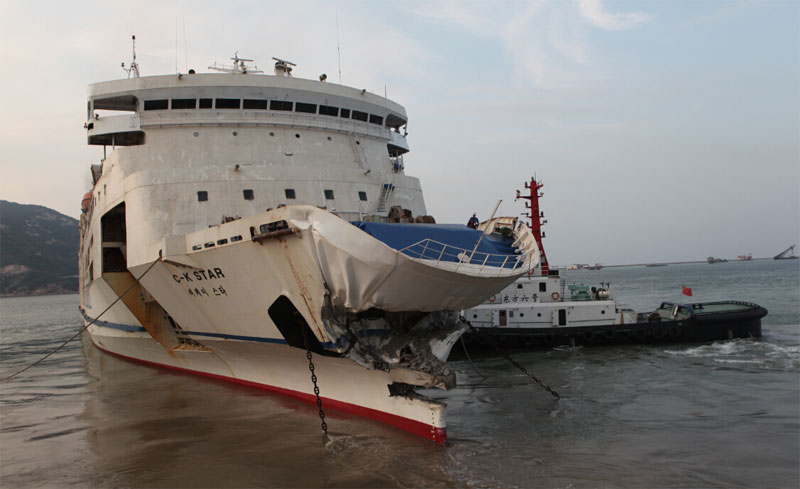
(662, 130)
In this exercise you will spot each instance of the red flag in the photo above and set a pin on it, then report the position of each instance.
(686, 290)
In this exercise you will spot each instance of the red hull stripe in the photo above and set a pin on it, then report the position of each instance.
(430, 432)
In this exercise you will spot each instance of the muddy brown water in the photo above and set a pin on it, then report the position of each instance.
(722, 414)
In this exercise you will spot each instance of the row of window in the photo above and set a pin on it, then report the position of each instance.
(260, 104)
(202, 195)
(223, 241)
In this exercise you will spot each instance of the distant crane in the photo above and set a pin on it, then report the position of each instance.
(786, 254)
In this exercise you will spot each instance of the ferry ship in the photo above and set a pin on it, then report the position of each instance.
(252, 227)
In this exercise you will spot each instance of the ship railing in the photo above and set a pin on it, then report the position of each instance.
(449, 257)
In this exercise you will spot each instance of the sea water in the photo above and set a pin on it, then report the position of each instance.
(721, 414)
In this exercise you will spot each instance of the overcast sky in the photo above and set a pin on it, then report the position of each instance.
(663, 130)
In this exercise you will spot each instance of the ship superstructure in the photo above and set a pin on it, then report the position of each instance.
(268, 216)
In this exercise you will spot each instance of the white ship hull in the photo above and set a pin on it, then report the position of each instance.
(220, 323)
(344, 385)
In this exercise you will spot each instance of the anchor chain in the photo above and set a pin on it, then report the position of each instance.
(525, 370)
(533, 377)
(314, 381)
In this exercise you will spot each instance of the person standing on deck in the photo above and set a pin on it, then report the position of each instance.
(473, 221)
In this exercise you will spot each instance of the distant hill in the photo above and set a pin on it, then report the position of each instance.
(38, 251)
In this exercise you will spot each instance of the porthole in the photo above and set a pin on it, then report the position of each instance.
(522, 314)
(329, 138)
(474, 316)
(297, 135)
(196, 134)
(602, 312)
(272, 134)
(235, 133)
(358, 142)
(538, 314)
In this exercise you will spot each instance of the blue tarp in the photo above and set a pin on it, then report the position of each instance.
(455, 237)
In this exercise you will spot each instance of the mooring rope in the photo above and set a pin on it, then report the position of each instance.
(464, 346)
(37, 362)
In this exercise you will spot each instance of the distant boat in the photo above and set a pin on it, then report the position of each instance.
(787, 254)
(656, 265)
(746, 257)
(711, 259)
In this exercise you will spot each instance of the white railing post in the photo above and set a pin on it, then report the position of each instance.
(488, 226)
(483, 264)
(502, 267)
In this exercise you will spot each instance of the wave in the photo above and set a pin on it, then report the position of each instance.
(751, 352)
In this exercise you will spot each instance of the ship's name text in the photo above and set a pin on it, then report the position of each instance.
(199, 275)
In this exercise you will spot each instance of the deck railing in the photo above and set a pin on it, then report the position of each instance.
(443, 255)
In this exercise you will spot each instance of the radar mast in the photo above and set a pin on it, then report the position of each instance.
(284, 68)
(134, 69)
(239, 67)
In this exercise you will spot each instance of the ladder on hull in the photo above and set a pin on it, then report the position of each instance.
(387, 187)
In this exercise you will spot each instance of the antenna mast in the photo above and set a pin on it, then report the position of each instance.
(338, 51)
(537, 217)
(134, 69)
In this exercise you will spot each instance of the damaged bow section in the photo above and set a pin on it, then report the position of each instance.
(384, 308)
(411, 346)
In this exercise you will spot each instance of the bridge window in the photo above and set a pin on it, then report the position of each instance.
(255, 104)
(376, 119)
(344, 113)
(307, 108)
(248, 194)
(156, 104)
(360, 116)
(329, 194)
(328, 110)
(362, 196)
(205, 103)
(289, 193)
(227, 103)
(280, 105)
(183, 103)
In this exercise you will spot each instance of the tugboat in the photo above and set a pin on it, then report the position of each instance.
(540, 309)
(251, 227)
